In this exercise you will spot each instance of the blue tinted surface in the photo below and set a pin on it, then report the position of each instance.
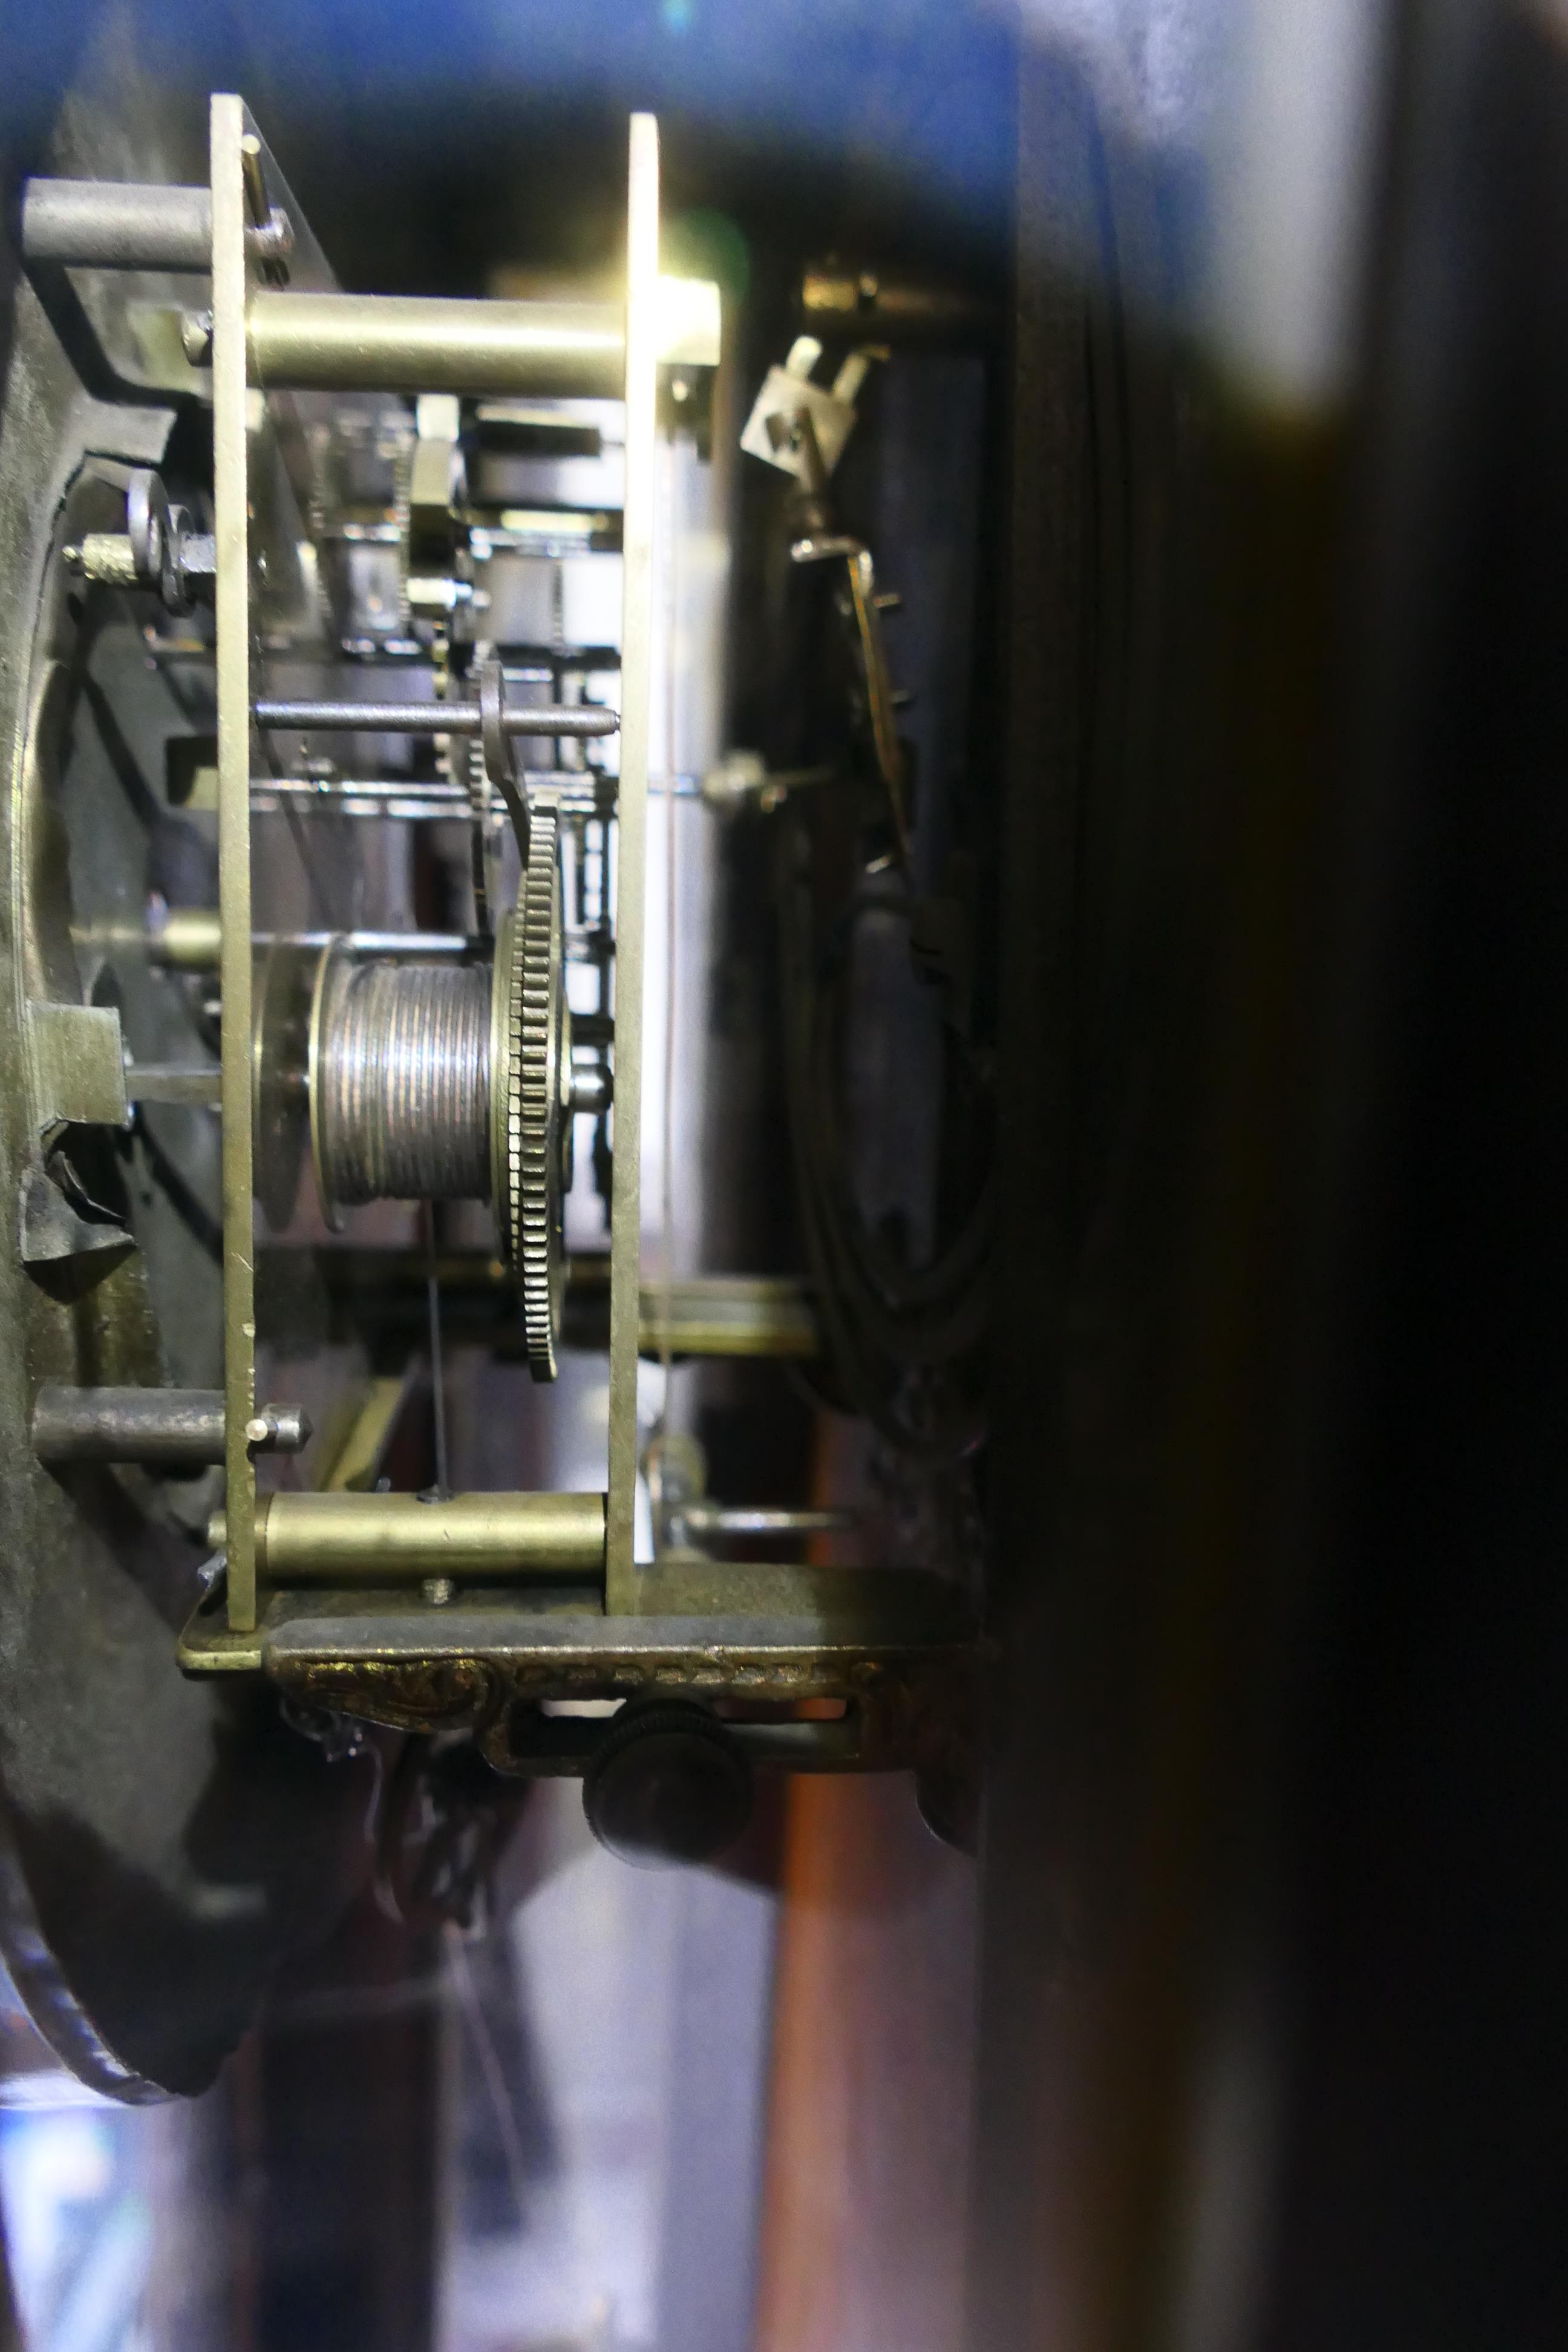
(922, 84)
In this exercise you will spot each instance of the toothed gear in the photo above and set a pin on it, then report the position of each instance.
(532, 1139)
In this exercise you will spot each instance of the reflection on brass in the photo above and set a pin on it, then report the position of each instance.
(356, 1539)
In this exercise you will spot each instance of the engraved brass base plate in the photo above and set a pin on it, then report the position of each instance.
(891, 1645)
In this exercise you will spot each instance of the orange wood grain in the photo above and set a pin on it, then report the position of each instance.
(866, 2180)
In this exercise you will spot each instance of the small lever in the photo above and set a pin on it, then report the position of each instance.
(498, 757)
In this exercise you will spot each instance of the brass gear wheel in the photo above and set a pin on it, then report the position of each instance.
(531, 1094)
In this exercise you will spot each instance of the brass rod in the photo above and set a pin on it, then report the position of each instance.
(190, 939)
(399, 342)
(370, 1539)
